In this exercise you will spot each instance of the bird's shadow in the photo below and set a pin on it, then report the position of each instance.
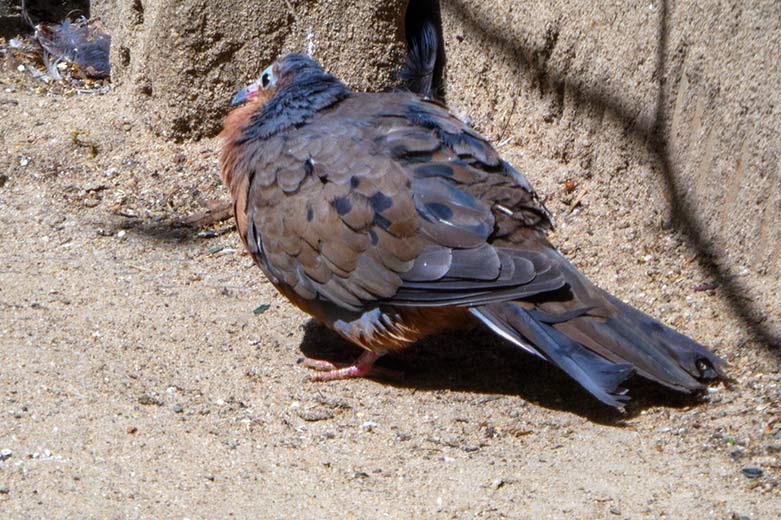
(162, 231)
(479, 362)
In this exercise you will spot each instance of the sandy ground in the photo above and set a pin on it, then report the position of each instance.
(136, 380)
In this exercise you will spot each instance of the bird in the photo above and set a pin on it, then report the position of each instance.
(387, 219)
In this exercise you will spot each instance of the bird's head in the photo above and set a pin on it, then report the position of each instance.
(293, 68)
(264, 86)
(286, 94)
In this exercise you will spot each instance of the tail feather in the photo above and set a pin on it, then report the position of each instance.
(425, 63)
(622, 340)
(419, 69)
(695, 359)
(596, 374)
(599, 340)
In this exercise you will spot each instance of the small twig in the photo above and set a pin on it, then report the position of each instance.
(578, 199)
(292, 11)
(310, 41)
(218, 211)
(705, 286)
(507, 121)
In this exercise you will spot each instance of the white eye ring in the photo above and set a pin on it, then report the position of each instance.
(267, 79)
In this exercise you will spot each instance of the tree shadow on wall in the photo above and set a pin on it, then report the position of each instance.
(652, 135)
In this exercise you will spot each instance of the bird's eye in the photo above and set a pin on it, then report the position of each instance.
(267, 79)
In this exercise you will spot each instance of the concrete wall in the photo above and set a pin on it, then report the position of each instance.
(180, 62)
(685, 90)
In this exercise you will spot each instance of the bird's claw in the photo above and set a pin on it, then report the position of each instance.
(362, 367)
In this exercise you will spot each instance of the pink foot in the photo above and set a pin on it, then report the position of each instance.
(363, 366)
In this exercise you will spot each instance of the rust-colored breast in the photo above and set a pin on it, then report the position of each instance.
(234, 173)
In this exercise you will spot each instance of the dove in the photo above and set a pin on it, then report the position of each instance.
(387, 219)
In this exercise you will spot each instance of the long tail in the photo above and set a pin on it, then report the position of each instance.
(599, 340)
(425, 63)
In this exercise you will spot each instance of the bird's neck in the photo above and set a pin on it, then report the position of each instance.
(294, 104)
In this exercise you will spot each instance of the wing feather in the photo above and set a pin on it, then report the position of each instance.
(382, 201)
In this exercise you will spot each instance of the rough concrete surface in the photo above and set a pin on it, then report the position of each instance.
(136, 380)
(669, 105)
(180, 61)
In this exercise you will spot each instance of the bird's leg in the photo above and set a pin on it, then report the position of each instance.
(363, 366)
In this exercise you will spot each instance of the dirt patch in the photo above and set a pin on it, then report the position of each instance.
(137, 381)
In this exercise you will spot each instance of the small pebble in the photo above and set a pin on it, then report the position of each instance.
(121, 234)
(314, 415)
(178, 408)
(5, 454)
(752, 472)
(369, 426)
(615, 511)
(147, 399)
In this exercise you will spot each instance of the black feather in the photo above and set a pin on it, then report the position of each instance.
(422, 72)
(597, 375)
(305, 89)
